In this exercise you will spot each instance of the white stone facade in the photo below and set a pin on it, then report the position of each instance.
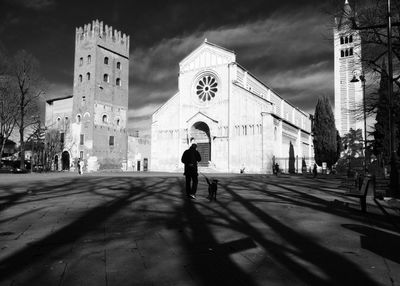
(237, 121)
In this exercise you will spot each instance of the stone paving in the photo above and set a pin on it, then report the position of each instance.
(140, 229)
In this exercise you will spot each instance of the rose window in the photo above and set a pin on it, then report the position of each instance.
(206, 88)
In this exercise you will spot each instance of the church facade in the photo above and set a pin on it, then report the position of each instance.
(237, 121)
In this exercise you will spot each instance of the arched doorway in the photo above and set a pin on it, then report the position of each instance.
(65, 160)
(200, 134)
(56, 162)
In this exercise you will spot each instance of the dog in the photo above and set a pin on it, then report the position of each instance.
(212, 189)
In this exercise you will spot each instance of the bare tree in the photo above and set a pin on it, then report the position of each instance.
(53, 145)
(8, 104)
(30, 86)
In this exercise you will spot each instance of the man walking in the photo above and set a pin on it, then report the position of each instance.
(190, 158)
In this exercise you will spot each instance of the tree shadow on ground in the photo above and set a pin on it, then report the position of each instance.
(380, 242)
(336, 269)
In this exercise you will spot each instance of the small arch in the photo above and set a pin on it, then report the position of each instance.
(346, 40)
(80, 78)
(87, 114)
(118, 82)
(119, 65)
(118, 122)
(88, 76)
(89, 59)
(78, 118)
(346, 53)
(106, 78)
(81, 61)
(104, 119)
(341, 40)
(106, 60)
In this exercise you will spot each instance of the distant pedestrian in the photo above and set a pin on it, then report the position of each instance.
(80, 166)
(276, 169)
(190, 158)
(314, 170)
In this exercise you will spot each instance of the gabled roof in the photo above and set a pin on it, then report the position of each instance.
(346, 15)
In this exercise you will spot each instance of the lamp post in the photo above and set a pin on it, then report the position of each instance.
(362, 79)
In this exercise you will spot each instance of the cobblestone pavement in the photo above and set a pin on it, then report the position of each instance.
(135, 229)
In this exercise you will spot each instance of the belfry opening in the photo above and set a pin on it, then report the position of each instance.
(200, 134)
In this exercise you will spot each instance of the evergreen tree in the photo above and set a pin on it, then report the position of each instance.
(291, 159)
(325, 133)
(381, 133)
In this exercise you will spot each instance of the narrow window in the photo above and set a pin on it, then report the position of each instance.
(341, 40)
(89, 59)
(106, 60)
(346, 40)
(88, 76)
(342, 53)
(106, 78)
(78, 118)
(62, 137)
(351, 51)
(118, 65)
(347, 53)
(111, 141)
(104, 119)
(82, 139)
(81, 61)
(351, 39)
(81, 155)
(118, 82)
(80, 78)
(118, 122)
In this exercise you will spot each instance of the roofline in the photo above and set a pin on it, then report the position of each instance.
(271, 89)
(208, 43)
(59, 98)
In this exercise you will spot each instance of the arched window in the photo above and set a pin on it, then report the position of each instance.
(351, 39)
(342, 53)
(275, 133)
(104, 119)
(88, 76)
(106, 60)
(106, 78)
(89, 59)
(351, 51)
(118, 82)
(346, 40)
(78, 118)
(118, 122)
(118, 65)
(80, 78)
(341, 40)
(81, 61)
(347, 53)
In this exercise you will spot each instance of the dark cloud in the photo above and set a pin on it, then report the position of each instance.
(284, 43)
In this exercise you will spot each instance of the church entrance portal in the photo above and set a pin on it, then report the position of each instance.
(200, 134)
(65, 160)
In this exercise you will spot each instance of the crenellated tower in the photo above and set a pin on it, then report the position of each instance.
(347, 54)
(100, 96)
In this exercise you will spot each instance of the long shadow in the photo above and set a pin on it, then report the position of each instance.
(210, 266)
(307, 200)
(67, 235)
(380, 242)
(338, 269)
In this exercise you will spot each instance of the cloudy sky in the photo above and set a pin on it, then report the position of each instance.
(286, 44)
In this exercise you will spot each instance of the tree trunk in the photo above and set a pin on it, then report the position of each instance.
(22, 149)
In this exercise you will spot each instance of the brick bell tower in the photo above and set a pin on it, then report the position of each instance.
(100, 96)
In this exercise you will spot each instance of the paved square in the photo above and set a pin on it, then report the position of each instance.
(140, 229)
